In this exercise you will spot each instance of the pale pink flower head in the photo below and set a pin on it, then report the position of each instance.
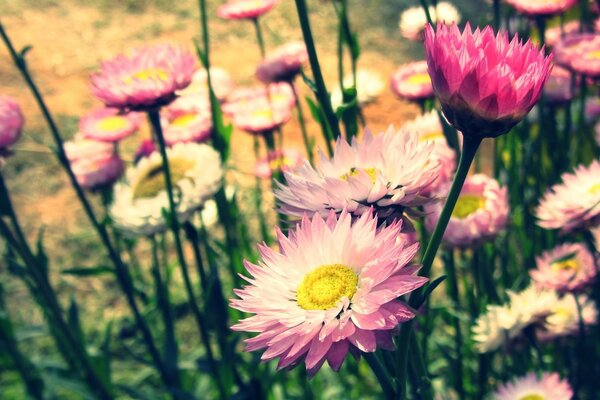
(98, 171)
(558, 89)
(245, 9)
(485, 83)
(569, 48)
(556, 33)
(391, 172)
(283, 64)
(542, 7)
(11, 122)
(286, 160)
(587, 59)
(81, 148)
(145, 78)
(412, 82)
(187, 119)
(429, 128)
(332, 288)
(548, 386)
(563, 318)
(109, 125)
(481, 212)
(261, 117)
(573, 204)
(567, 268)
(278, 95)
(221, 81)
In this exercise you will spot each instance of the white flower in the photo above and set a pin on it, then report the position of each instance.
(413, 20)
(563, 319)
(139, 200)
(369, 85)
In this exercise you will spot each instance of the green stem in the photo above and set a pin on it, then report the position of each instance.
(427, 13)
(450, 267)
(381, 375)
(497, 16)
(420, 369)
(322, 93)
(259, 37)
(305, 138)
(123, 276)
(173, 224)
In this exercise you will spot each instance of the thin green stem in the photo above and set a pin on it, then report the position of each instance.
(259, 37)
(322, 93)
(497, 16)
(419, 367)
(173, 223)
(381, 375)
(450, 267)
(427, 13)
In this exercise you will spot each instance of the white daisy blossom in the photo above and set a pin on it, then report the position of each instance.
(564, 317)
(369, 85)
(140, 199)
(548, 386)
(413, 20)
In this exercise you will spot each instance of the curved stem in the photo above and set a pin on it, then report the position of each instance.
(427, 13)
(322, 94)
(381, 374)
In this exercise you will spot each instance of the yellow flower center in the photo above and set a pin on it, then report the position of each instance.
(594, 189)
(372, 172)
(532, 397)
(112, 124)
(419, 79)
(325, 286)
(467, 205)
(279, 163)
(594, 55)
(154, 74)
(431, 136)
(265, 113)
(569, 264)
(183, 120)
(153, 180)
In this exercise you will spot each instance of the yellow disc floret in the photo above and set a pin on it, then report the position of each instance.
(183, 120)
(325, 286)
(532, 397)
(419, 79)
(467, 205)
(569, 264)
(113, 123)
(149, 74)
(372, 172)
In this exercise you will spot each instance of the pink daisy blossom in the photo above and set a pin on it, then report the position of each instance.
(558, 89)
(280, 95)
(245, 9)
(542, 7)
(429, 127)
(98, 171)
(11, 122)
(574, 203)
(587, 60)
(261, 117)
(221, 81)
(480, 213)
(81, 148)
(283, 64)
(288, 160)
(548, 386)
(569, 47)
(186, 120)
(391, 171)
(412, 82)
(485, 83)
(566, 268)
(554, 34)
(109, 125)
(563, 318)
(333, 288)
(146, 78)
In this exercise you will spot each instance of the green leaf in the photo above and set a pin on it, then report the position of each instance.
(41, 253)
(74, 321)
(201, 54)
(24, 51)
(429, 289)
(309, 82)
(88, 271)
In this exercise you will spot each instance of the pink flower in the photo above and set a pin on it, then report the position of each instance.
(574, 203)
(95, 172)
(391, 172)
(145, 78)
(563, 318)
(109, 125)
(221, 81)
(480, 213)
(587, 59)
(412, 82)
(558, 89)
(283, 64)
(542, 7)
(569, 48)
(429, 128)
(280, 95)
(485, 83)
(11, 122)
(80, 148)
(566, 268)
(187, 119)
(245, 9)
(333, 288)
(288, 160)
(548, 386)
(261, 117)
(554, 34)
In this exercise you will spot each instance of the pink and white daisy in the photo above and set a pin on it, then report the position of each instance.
(287, 160)
(261, 117)
(109, 125)
(390, 172)
(412, 82)
(81, 148)
(542, 7)
(98, 171)
(548, 386)
(11, 122)
(569, 48)
(566, 268)
(587, 61)
(245, 9)
(556, 33)
(574, 203)
(480, 213)
(146, 78)
(283, 64)
(558, 89)
(279, 95)
(186, 121)
(485, 83)
(563, 319)
(222, 84)
(429, 127)
(333, 288)
(413, 20)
